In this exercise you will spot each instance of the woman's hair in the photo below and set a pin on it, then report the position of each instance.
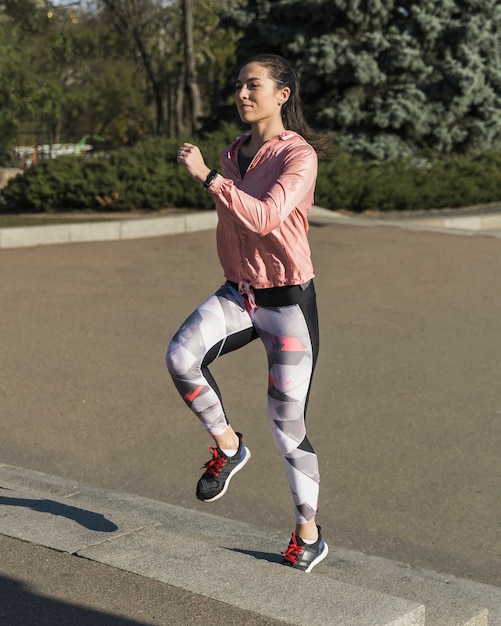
(284, 75)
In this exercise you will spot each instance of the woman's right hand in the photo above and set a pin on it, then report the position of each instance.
(190, 157)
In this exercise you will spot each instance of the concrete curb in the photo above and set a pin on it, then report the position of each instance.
(488, 225)
(485, 225)
(106, 230)
(473, 223)
(233, 562)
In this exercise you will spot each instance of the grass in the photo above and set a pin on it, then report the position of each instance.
(13, 220)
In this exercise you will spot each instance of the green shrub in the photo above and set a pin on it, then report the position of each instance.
(350, 183)
(151, 178)
(65, 183)
(340, 182)
(147, 176)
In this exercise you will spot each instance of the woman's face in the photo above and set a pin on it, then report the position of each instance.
(256, 95)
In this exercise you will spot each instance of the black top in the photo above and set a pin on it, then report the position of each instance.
(243, 163)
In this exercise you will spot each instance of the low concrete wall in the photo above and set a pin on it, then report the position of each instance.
(112, 230)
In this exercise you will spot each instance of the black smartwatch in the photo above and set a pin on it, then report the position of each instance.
(210, 179)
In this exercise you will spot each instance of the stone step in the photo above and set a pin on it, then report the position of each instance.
(233, 562)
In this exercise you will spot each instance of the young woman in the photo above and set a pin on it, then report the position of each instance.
(262, 198)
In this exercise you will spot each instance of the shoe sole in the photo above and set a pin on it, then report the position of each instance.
(230, 476)
(319, 558)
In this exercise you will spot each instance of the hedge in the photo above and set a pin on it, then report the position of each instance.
(148, 177)
(433, 183)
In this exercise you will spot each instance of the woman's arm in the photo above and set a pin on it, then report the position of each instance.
(294, 183)
(295, 180)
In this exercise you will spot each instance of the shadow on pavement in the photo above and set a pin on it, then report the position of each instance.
(21, 607)
(87, 519)
(262, 556)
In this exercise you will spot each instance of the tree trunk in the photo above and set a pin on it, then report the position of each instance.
(130, 19)
(191, 82)
(181, 126)
(158, 92)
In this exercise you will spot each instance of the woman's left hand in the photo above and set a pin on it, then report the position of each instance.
(190, 157)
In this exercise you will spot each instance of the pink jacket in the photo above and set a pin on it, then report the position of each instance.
(262, 231)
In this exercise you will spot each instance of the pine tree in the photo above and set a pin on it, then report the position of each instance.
(390, 77)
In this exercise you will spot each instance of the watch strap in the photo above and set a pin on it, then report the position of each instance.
(210, 178)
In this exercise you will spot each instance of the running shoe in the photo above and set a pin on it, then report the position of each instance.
(219, 470)
(303, 556)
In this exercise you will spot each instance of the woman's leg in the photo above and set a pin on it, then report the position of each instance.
(221, 324)
(290, 335)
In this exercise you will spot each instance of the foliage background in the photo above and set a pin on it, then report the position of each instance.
(409, 91)
(146, 176)
(389, 77)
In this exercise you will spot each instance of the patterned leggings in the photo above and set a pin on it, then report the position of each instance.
(226, 322)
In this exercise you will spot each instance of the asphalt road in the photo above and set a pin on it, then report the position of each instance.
(405, 412)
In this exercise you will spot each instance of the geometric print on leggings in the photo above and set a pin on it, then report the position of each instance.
(286, 337)
(206, 331)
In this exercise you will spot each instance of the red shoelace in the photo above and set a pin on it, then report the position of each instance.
(216, 464)
(294, 551)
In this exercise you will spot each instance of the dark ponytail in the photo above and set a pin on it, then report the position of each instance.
(284, 75)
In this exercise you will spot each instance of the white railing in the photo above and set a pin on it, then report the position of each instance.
(51, 150)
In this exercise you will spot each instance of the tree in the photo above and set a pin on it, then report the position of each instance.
(63, 76)
(171, 41)
(389, 78)
(13, 88)
(141, 23)
(65, 73)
